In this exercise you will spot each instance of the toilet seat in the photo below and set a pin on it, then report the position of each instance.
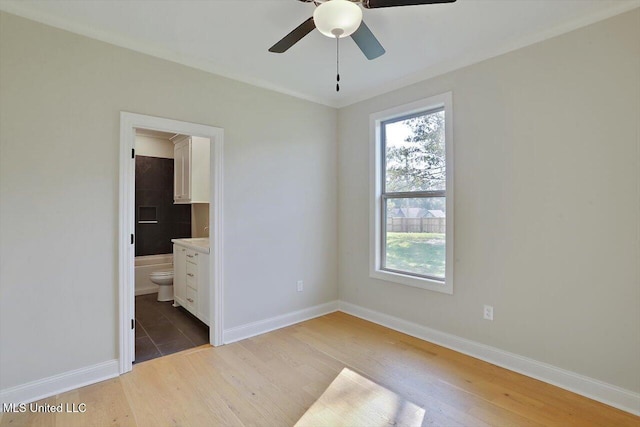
(162, 273)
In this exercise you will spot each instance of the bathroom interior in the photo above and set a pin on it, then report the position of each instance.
(171, 244)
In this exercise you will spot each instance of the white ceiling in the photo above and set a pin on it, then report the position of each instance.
(155, 134)
(231, 37)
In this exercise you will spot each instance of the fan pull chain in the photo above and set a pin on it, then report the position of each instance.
(337, 64)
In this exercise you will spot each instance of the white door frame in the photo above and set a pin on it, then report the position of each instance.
(128, 124)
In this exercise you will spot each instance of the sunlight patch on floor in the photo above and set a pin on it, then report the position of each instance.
(353, 400)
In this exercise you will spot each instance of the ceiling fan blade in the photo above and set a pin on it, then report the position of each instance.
(367, 42)
(294, 36)
(375, 4)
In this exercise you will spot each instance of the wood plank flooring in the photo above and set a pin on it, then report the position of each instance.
(336, 370)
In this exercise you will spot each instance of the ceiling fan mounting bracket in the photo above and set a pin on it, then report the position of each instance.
(317, 2)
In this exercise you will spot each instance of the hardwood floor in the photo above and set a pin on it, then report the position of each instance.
(336, 370)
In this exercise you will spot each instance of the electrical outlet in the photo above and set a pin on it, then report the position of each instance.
(300, 286)
(488, 312)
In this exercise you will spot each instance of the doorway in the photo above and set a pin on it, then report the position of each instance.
(163, 217)
(129, 122)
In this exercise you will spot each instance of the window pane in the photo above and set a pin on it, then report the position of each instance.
(415, 154)
(415, 236)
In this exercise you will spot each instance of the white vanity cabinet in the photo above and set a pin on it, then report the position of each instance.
(191, 170)
(179, 274)
(191, 280)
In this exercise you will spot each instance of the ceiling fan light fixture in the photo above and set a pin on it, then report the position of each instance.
(337, 18)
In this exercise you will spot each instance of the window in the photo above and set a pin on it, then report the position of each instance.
(412, 197)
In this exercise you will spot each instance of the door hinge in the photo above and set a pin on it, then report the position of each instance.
(132, 240)
(133, 322)
(133, 153)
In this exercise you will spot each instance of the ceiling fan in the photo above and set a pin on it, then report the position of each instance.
(342, 18)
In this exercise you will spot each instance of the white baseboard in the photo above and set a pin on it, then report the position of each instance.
(36, 390)
(617, 397)
(40, 389)
(262, 326)
(598, 390)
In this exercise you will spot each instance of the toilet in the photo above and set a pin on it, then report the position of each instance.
(164, 280)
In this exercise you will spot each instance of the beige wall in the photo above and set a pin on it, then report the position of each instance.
(200, 220)
(547, 198)
(151, 146)
(547, 176)
(59, 189)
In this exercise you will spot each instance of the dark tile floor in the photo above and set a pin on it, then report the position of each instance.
(162, 329)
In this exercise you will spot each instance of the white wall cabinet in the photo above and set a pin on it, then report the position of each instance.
(191, 170)
(191, 281)
(181, 172)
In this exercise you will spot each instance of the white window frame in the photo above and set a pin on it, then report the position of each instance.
(375, 180)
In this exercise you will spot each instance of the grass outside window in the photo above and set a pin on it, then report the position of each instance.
(420, 253)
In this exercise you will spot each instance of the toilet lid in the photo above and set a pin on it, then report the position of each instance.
(162, 273)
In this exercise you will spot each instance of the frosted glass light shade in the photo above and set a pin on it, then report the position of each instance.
(337, 18)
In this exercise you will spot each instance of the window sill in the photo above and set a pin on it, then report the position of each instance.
(417, 282)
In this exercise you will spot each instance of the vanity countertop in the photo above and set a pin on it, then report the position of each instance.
(200, 244)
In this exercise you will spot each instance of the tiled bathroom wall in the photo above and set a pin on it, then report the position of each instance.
(158, 220)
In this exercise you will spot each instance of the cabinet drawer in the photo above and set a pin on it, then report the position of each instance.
(192, 256)
(192, 275)
(191, 300)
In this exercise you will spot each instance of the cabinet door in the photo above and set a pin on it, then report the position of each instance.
(182, 171)
(177, 172)
(186, 170)
(179, 274)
